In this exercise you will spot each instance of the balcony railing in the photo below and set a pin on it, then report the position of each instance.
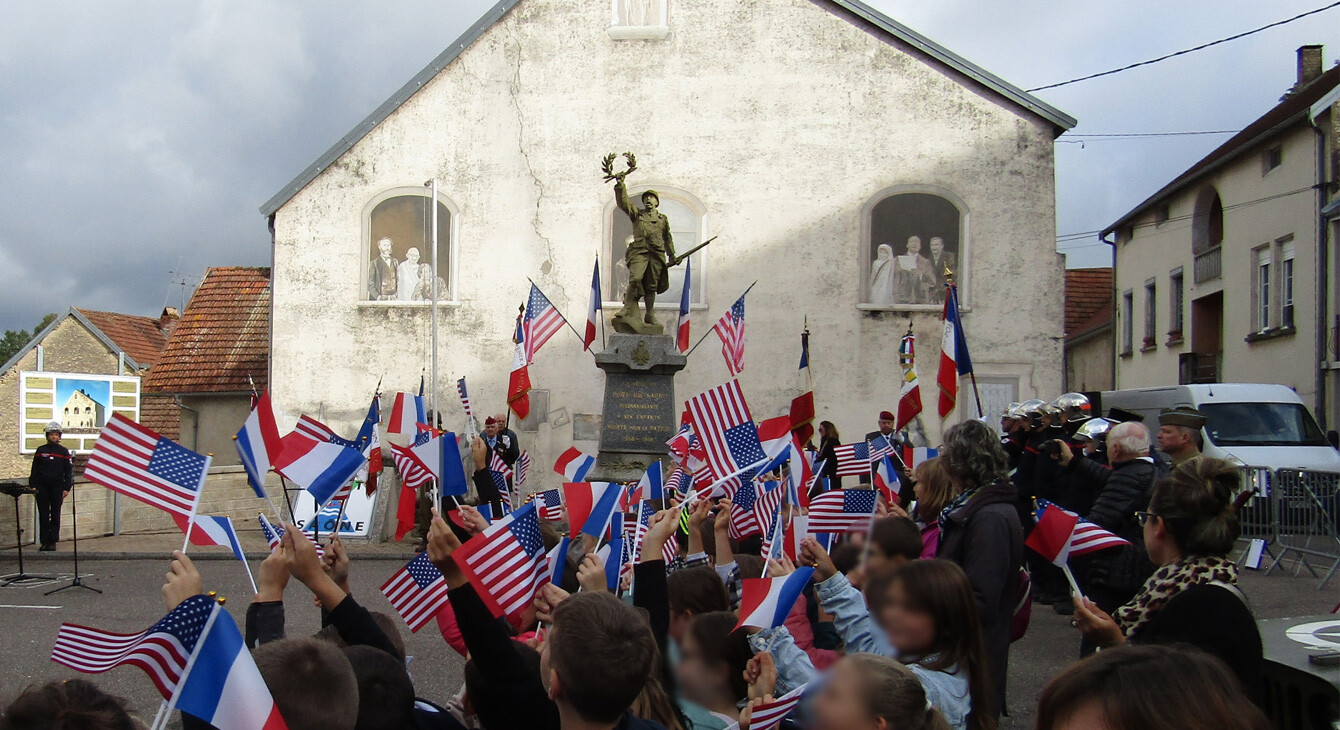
(1208, 266)
(1198, 367)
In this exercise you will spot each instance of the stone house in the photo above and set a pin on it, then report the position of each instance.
(843, 159)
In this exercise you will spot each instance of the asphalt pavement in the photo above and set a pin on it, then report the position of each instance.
(131, 601)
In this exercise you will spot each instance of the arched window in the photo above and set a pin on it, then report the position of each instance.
(397, 242)
(913, 236)
(687, 215)
(1207, 227)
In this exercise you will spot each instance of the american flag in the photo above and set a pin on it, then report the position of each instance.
(669, 551)
(853, 460)
(465, 398)
(412, 472)
(161, 651)
(273, 533)
(500, 483)
(770, 714)
(550, 504)
(417, 591)
(674, 484)
(1087, 537)
(314, 429)
(522, 468)
(133, 460)
(767, 504)
(541, 322)
(743, 522)
(842, 509)
(506, 563)
(497, 464)
(722, 421)
(730, 328)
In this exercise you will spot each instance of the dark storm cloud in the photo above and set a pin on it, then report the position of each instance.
(140, 138)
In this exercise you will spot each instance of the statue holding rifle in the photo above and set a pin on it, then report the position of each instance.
(649, 256)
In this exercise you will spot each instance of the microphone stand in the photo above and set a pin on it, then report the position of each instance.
(77, 582)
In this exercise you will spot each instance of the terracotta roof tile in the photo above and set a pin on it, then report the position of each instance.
(162, 414)
(1088, 298)
(142, 338)
(223, 336)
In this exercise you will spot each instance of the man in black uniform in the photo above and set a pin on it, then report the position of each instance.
(53, 477)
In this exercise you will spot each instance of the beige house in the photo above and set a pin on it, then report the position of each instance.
(1088, 330)
(816, 138)
(1227, 274)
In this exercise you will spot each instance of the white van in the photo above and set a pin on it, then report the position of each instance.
(1248, 423)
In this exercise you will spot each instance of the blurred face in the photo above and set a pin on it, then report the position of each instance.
(700, 680)
(384, 246)
(53, 437)
(937, 246)
(885, 426)
(914, 245)
(1088, 716)
(910, 631)
(413, 256)
(492, 429)
(840, 704)
(877, 561)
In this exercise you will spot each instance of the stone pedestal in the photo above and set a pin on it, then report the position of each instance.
(640, 411)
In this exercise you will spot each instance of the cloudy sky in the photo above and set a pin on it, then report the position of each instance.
(141, 137)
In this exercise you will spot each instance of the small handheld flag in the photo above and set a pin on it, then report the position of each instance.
(591, 505)
(407, 411)
(506, 562)
(574, 464)
(542, 320)
(258, 443)
(765, 602)
(730, 328)
(842, 510)
(417, 591)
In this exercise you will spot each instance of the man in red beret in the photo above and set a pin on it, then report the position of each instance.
(885, 434)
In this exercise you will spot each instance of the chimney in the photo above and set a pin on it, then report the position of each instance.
(1309, 64)
(167, 321)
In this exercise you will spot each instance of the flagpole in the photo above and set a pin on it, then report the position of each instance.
(560, 312)
(195, 507)
(433, 359)
(283, 484)
(713, 329)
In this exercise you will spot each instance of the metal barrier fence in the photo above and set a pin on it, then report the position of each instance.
(1297, 513)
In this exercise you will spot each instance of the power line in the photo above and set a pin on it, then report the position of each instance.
(1201, 47)
(1078, 235)
(1125, 135)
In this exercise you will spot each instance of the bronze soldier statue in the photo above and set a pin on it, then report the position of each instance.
(649, 257)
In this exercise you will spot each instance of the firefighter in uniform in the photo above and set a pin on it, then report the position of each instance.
(53, 477)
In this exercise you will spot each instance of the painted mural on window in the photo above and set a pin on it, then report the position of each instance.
(81, 403)
(914, 238)
(399, 257)
(639, 12)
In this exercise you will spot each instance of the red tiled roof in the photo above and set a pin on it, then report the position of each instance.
(142, 338)
(162, 414)
(1088, 299)
(223, 337)
(1292, 108)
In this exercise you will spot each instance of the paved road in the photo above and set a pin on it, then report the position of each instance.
(132, 601)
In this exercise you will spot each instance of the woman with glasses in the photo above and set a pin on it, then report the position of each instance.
(1192, 598)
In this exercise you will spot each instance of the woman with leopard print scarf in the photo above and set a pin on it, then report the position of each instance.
(1193, 597)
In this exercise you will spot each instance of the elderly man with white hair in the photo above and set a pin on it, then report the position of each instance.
(1113, 577)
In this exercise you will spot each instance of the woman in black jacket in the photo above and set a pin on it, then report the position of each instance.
(829, 440)
(1192, 598)
(980, 530)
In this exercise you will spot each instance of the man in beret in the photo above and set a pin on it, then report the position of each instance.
(885, 434)
(1179, 433)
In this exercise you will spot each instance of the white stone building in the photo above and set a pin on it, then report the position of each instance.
(806, 134)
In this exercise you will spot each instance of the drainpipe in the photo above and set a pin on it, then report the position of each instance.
(1116, 333)
(1323, 254)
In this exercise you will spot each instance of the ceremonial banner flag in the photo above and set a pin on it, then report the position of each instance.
(506, 562)
(522, 468)
(133, 460)
(550, 503)
(319, 467)
(406, 412)
(593, 311)
(774, 435)
(574, 465)
(541, 322)
(195, 655)
(590, 505)
(954, 360)
(802, 406)
(417, 591)
(682, 335)
(909, 398)
(841, 510)
(730, 328)
(765, 602)
(369, 443)
(652, 485)
(518, 382)
(770, 714)
(853, 460)
(258, 443)
(723, 424)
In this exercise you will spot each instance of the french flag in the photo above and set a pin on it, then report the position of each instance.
(441, 455)
(774, 434)
(954, 360)
(258, 443)
(682, 337)
(406, 413)
(592, 312)
(611, 556)
(557, 559)
(765, 602)
(319, 467)
(914, 456)
(210, 530)
(222, 685)
(591, 505)
(652, 484)
(886, 479)
(574, 465)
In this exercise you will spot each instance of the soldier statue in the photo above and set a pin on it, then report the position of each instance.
(649, 256)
